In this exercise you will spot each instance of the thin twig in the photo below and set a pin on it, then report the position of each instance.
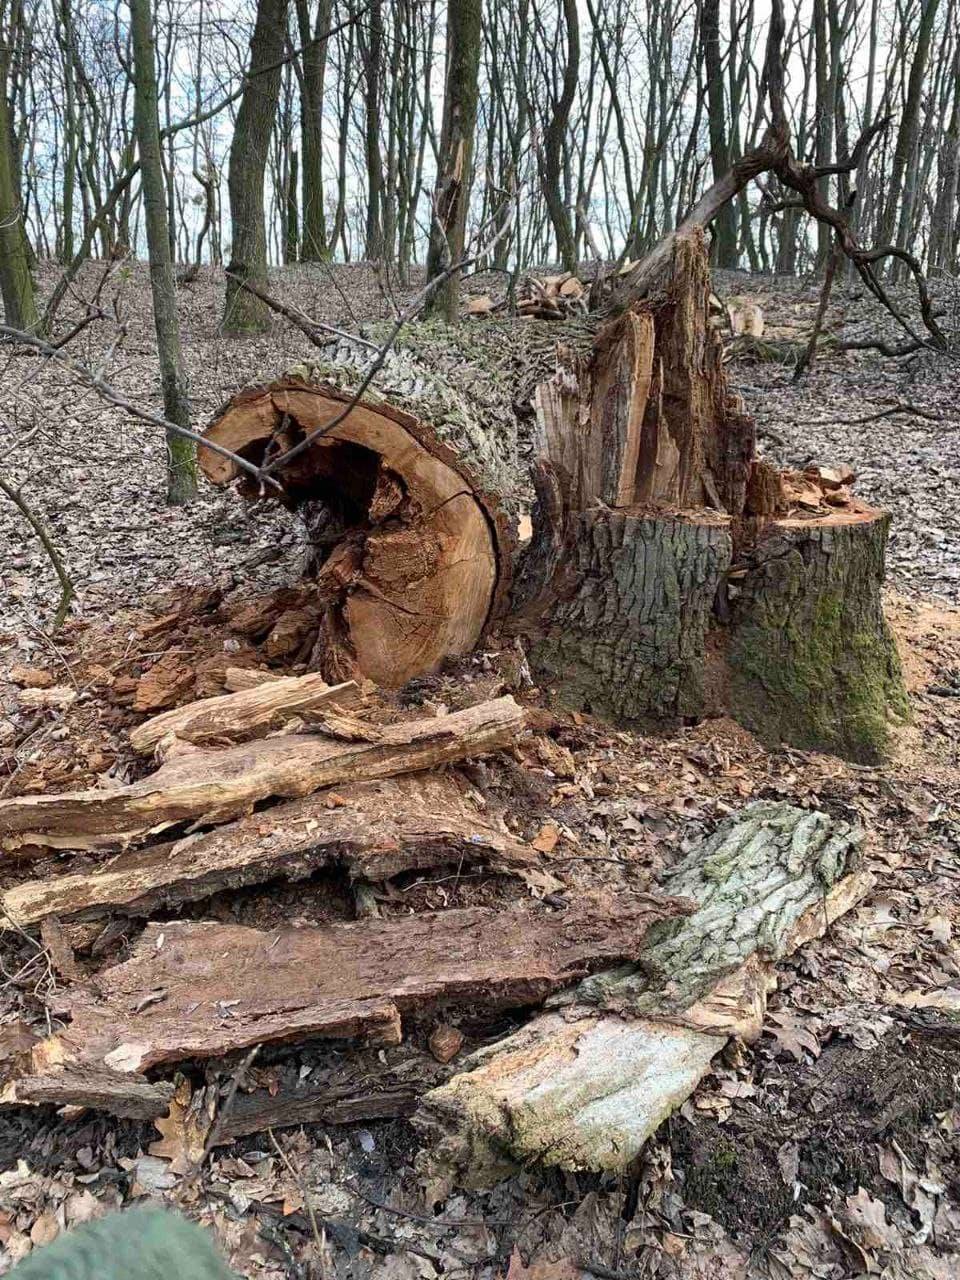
(67, 589)
(319, 1238)
(306, 324)
(9, 334)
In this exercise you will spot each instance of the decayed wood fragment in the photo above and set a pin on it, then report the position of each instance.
(200, 990)
(585, 1086)
(248, 713)
(129, 1096)
(374, 830)
(218, 786)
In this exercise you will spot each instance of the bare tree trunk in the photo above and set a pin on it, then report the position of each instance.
(16, 282)
(725, 228)
(245, 313)
(455, 168)
(314, 44)
(181, 468)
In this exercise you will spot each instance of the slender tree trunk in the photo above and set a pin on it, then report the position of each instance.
(552, 162)
(243, 312)
(16, 282)
(291, 230)
(371, 47)
(181, 467)
(909, 129)
(725, 226)
(455, 169)
(314, 247)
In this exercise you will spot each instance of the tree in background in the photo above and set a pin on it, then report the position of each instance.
(455, 163)
(181, 464)
(243, 312)
(16, 282)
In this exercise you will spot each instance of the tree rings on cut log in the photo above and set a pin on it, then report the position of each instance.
(416, 557)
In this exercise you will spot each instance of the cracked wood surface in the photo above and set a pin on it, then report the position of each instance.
(199, 990)
(218, 786)
(373, 830)
(250, 712)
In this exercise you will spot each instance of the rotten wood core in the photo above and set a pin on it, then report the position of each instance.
(371, 830)
(417, 558)
(212, 787)
(201, 990)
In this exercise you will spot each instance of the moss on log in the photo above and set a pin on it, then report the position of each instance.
(812, 660)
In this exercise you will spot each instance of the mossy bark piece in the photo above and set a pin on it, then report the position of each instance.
(626, 638)
(812, 660)
(583, 1088)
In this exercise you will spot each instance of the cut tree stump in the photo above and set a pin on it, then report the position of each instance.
(373, 830)
(248, 713)
(404, 501)
(811, 659)
(201, 990)
(667, 576)
(217, 786)
(585, 1086)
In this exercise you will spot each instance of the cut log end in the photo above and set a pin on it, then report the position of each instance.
(415, 557)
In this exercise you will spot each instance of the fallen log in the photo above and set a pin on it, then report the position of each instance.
(585, 1086)
(373, 830)
(218, 786)
(404, 498)
(247, 713)
(202, 990)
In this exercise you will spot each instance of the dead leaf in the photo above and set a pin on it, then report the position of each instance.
(546, 839)
(791, 1035)
(866, 1217)
(45, 1229)
(185, 1127)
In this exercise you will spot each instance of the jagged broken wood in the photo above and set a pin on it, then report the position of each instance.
(213, 787)
(583, 1087)
(667, 576)
(202, 990)
(373, 830)
(247, 713)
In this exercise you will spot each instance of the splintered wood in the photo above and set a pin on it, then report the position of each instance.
(250, 712)
(374, 830)
(218, 786)
(199, 990)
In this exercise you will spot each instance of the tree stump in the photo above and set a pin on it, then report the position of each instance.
(416, 554)
(673, 575)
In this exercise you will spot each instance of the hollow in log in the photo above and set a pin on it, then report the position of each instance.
(404, 499)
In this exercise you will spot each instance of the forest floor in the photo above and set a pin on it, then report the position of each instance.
(829, 1149)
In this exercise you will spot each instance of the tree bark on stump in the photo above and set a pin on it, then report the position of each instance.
(668, 576)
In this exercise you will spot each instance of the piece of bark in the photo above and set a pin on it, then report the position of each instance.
(201, 990)
(249, 713)
(375, 830)
(585, 1087)
(129, 1096)
(215, 787)
(425, 557)
(58, 947)
(166, 682)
